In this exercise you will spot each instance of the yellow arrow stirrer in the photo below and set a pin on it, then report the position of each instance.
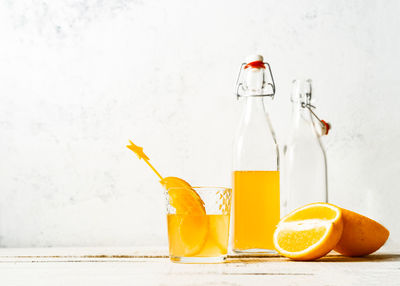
(139, 152)
(179, 200)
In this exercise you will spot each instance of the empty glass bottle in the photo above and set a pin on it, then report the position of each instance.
(304, 164)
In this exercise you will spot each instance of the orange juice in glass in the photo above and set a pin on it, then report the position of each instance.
(198, 223)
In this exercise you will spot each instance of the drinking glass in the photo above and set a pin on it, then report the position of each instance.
(198, 223)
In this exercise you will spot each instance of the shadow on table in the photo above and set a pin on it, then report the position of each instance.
(328, 258)
(368, 258)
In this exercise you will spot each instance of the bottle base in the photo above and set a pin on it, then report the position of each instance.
(181, 259)
(254, 251)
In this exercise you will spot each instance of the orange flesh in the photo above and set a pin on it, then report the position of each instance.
(182, 196)
(256, 209)
(191, 235)
(295, 241)
(320, 212)
(185, 201)
(309, 232)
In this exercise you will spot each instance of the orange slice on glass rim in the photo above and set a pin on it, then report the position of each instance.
(189, 208)
(182, 196)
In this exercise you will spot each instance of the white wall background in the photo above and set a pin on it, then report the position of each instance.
(79, 78)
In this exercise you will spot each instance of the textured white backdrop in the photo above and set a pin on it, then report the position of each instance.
(79, 78)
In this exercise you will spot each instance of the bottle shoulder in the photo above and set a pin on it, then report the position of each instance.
(255, 145)
(256, 151)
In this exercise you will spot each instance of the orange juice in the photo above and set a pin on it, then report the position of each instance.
(192, 235)
(256, 209)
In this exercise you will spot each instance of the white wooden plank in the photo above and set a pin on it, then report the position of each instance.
(20, 267)
(85, 252)
(162, 272)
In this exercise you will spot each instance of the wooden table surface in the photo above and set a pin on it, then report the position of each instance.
(151, 266)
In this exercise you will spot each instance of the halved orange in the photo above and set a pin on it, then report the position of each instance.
(361, 235)
(188, 227)
(309, 232)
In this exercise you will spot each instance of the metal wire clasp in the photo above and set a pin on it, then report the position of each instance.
(239, 83)
(325, 126)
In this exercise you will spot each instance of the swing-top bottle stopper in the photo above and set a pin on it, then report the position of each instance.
(255, 78)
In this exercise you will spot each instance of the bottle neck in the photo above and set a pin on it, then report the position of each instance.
(254, 107)
(300, 112)
(253, 102)
(255, 113)
(301, 98)
(303, 125)
(254, 81)
(255, 145)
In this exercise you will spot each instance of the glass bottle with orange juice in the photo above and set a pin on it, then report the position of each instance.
(256, 199)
